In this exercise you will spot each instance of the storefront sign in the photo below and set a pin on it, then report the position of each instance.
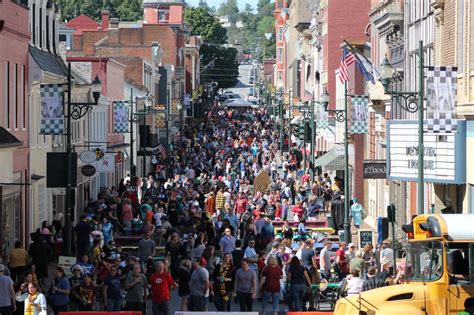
(444, 154)
(375, 169)
(66, 263)
(88, 170)
(365, 237)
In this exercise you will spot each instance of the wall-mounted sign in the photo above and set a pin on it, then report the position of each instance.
(444, 154)
(375, 169)
(87, 156)
(88, 170)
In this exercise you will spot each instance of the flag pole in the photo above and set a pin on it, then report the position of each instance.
(347, 223)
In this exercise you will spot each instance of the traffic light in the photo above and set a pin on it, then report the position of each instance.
(308, 131)
(391, 213)
(301, 131)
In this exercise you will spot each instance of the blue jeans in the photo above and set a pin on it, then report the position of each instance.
(297, 293)
(114, 305)
(275, 296)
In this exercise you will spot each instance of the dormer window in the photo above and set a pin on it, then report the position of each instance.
(163, 16)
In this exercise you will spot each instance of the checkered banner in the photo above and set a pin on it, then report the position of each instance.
(322, 120)
(441, 100)
(187, 101)
(121, 116)
(360, 114)
(160, 120)
(52, 109)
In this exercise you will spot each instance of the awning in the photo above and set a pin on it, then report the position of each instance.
(331, 161)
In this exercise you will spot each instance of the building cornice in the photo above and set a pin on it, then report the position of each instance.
(22, 34)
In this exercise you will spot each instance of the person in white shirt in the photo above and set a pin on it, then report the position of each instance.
(325, 260)
(354, 282)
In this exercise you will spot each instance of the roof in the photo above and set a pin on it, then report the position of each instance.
(7, 140)
(48, 62)
(83, 22)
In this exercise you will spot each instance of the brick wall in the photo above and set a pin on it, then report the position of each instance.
(448, 35)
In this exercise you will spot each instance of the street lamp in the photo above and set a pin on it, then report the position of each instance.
(74, 111)
(341, 116)
(411, 102)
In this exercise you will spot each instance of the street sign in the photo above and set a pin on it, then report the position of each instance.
(88, 170)
(87, 156)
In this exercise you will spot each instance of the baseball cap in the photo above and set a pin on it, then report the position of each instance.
(350, 245)
(2, 268)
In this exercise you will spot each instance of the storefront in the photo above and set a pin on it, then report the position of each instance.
(444, 162)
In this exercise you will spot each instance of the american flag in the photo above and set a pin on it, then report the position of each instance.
(347, 59)
(162, 150)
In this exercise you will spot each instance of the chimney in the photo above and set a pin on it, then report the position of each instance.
(114, 23)
(105, 19)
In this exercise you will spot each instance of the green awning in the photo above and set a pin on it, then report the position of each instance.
(331, 161)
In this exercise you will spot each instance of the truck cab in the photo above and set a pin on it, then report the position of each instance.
(438, 275)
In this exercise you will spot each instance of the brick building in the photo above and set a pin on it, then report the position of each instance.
(14, 123)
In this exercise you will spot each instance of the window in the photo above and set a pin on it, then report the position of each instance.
(6, 94)
(23, 96)
(280, 55)
(40, 28)
(280, 34)
(47, 34)
(15, 96)
(33, 27)
(163, 15)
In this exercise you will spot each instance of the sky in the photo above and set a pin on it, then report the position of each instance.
(216, 3)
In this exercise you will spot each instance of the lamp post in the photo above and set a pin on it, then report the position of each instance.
(134, 118)
(341, 116)
(411, 102)
(74, 111)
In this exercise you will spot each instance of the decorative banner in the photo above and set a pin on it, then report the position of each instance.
(286, 98)
(160, 120)
(106, 164)
(161, 107)
(120, 116)
(195, 94)
(441, 99)
(360, 114)
(321, 117)
(187, 101)
(52, 109)
(175, 104)
(295, 99)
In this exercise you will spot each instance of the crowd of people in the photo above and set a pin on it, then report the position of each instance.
(204, 230)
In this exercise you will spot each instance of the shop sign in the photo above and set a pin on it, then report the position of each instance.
(88, 170)
(375, 169)
(444, 155)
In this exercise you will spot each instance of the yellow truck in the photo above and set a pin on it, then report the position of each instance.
(439, 272)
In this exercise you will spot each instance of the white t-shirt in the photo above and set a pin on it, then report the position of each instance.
(354, 285)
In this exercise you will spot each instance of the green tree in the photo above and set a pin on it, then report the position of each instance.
(205, 25)
(125, 10)
(230, 9)
(218, 63)
(130, 10)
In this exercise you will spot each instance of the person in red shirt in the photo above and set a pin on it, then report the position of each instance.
(241, 203)
(161, 284)
(270, 283)
(342, 261)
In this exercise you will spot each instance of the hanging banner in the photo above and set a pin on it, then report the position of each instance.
(360, 114)
(441, 99)
(120, 116)
(52, 109)
(106, 164)
(160, 120)
(322, 121)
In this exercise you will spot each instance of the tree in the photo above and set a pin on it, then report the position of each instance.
(230, 9)
(205, 25)
(218, 63)
(130, 10)
(125, 10)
